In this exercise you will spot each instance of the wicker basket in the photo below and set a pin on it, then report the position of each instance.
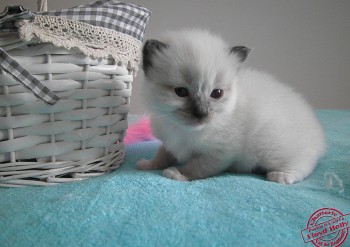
(81, 136)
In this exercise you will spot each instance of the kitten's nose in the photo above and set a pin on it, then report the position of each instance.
(200, 112)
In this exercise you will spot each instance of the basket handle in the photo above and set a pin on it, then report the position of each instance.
(42, 5)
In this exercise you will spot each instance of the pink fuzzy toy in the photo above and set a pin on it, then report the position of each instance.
(139, 131)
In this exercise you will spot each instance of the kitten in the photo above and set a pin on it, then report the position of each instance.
(213, 115)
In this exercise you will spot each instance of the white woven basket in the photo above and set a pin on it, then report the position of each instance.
(80, 136)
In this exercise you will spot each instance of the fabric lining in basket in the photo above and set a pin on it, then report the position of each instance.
(92, 41)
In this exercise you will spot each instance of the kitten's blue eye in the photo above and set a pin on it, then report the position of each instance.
(181, 91)
(217, 93)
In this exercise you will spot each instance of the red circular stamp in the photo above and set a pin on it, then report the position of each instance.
(326, 227)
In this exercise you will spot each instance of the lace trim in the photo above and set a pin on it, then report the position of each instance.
(93, 41)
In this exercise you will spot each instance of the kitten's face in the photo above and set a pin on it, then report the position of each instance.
(190, 82)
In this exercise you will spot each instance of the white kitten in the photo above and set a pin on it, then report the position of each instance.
(213, 115)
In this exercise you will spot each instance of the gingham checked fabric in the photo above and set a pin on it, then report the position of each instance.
(11, 14)
(122, 17)
(126, 18)
(8, 64)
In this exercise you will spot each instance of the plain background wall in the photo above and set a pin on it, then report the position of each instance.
(305, 43)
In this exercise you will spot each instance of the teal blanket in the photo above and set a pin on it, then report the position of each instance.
(141, 208)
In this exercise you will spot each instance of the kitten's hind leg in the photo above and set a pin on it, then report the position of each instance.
(281, 177)
(161, 160)
(292, 173)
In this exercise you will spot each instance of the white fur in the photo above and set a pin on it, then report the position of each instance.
(259, 121)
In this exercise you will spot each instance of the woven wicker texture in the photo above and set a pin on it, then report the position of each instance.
(78, 137)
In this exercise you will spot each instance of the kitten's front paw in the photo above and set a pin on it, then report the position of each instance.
(173, 173)
(145, 165)
(281, 177)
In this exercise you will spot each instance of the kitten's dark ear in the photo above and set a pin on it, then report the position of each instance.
(149, 49)
(241, 52)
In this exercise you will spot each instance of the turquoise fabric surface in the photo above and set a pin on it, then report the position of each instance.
(141, 208)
